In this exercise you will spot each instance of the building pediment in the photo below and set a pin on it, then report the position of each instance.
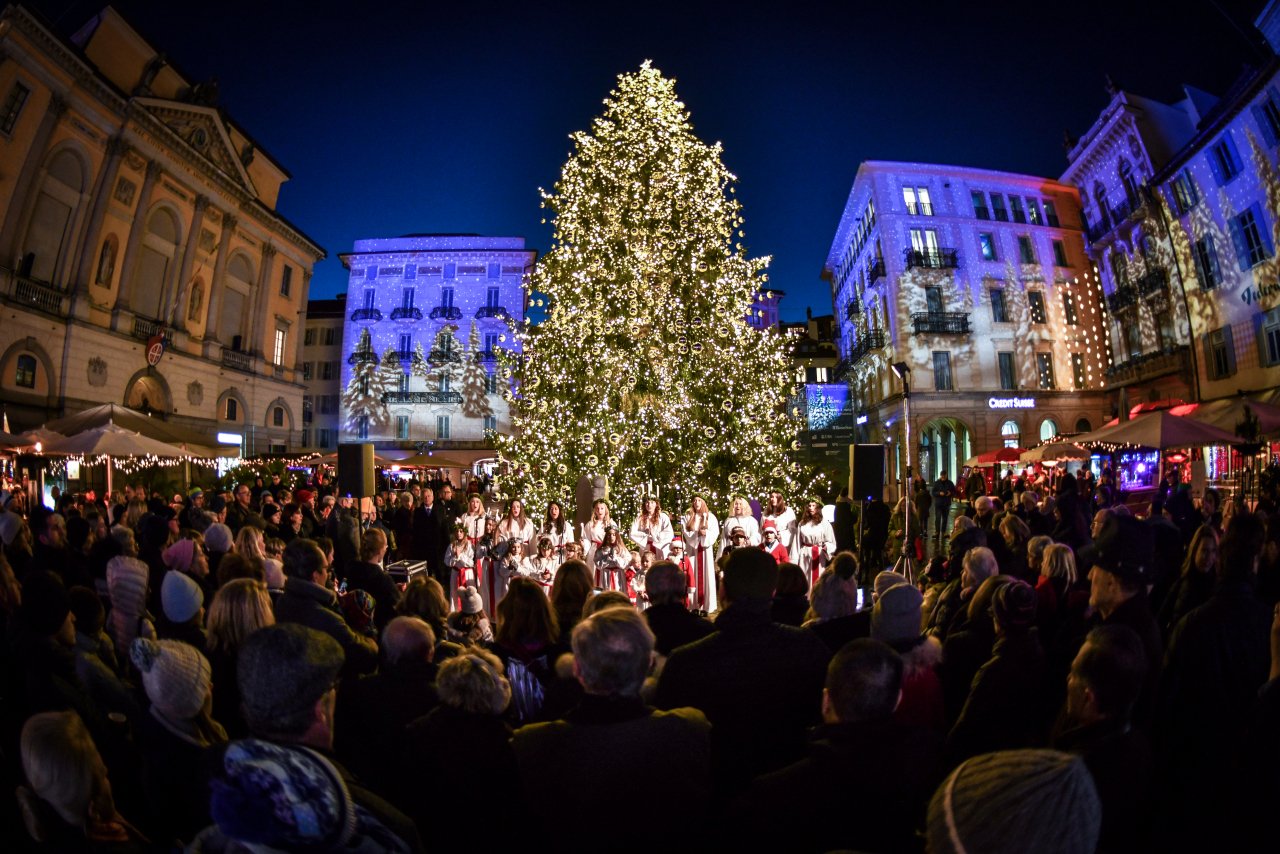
(201, 128)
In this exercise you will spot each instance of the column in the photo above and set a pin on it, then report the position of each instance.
(82, 279)
(258, 323)
(19, 208)
(216, 284)
(135, 232)
(176, 311)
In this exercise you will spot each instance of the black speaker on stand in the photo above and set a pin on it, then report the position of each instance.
(866, 472)
(355, 470)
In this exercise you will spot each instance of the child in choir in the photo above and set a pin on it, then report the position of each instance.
(545, 564)
(611, 559)
(652, 531)
(488, 552)
(675, 554)
(573, 551)
(512, 563)
(460, 558)
(772, 544)
(556, 528)
(593, 530)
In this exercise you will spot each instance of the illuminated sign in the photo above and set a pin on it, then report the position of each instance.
(230, 438)
(1011, 403)
(73, 469)
(862, 419)
(825, 403)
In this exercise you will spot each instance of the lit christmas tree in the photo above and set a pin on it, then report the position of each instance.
(362, 398)
(645, 369)
(475, 400)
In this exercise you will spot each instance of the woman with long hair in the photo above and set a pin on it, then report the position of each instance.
(652, 531)
(611, 560)
(700, 531)
(516, 526)
(593, 530)
(460, 558)
(1195, 581)
(740, 517)
(525, 641)
(556, 528)
(424, 598)
(240, 608)
(815, 541)
(569, 592)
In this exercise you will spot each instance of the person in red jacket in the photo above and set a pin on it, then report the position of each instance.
(770, 542)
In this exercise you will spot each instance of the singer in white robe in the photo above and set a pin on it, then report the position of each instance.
(700, 530)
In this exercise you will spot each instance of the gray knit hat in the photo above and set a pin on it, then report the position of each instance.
(282, 671)
(1016, 801)
(896, 616)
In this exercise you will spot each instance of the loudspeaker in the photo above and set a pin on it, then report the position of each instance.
(355, 469)
(866, 472)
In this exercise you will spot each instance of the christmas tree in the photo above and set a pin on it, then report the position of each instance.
(645, 369)
(362, 398)
(475, 400)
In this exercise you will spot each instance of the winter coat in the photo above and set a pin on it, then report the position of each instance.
(1004, 710)
(837, 632)
(315, 607)
(373, 713)
(921, 704)
(371, 578)
(673, 625)
(1118, 757)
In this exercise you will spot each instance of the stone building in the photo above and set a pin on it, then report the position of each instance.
(322, 372)
(136, 212)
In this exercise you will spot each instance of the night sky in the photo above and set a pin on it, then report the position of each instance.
(397, 118)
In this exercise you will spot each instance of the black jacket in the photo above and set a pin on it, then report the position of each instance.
(1136, 614)
(1119, 759)
(373, 713)
(371, 578)
(429, 537)
(673, 625)
(1004, 710)
(315, 607)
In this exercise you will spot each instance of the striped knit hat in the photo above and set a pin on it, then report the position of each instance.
(127, 587)
(1016, 801)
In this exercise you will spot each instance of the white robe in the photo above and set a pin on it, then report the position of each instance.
(655, 539)
(559, 540)
(611, 567)
(749, 526)
(699, 546)
(544, 571)
(462, 562)
(786, 525)
(811, 536)
(522, 530)
(592, 537)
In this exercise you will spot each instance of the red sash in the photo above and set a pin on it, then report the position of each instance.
(700, 581)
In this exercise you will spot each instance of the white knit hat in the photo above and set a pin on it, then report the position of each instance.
(127, 584)
(176, 676)
(471, 601)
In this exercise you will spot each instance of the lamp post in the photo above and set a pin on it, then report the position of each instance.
(905, 563)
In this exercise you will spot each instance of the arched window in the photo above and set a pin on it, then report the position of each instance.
(235, 296)
(1119, 268)
(107, 262)
(1130, 182)
(48, 237)
(25, 375)
(1100, 199)
(1083, 425)
(1010, 433)
(155, 261)
(1048, 429)
(277, 416)
(231, 410)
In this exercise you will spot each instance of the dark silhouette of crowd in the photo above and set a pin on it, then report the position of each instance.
(239, 672)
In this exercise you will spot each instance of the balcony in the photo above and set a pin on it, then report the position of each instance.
(422, 397)
(405, 357)
(494, 311)
(871, 340)
(406, 312)
(366, 315)
(440, 357)
(145, 328)
(919, 209)
(936, 259)
(487, 355)
(446, 312)
(875, 270)
(1121, 298)
(38, 295)
(940, 322)
(853, 309)
(237, 360)
(360, 357)
(1149, 366)
(1155, 280)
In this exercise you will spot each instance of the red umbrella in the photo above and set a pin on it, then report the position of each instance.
(990, 458)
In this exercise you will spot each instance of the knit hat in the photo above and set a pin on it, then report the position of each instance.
(180, 597)
(1129, 552)
(195, 492)
(44, 602)
(180, 554)
(269, 510)
(896, 616)
(127, 585)
(218, 538)
(471, 601)
(1015, 801)
(176, 676)
(302, 496)
(1014, 605)
(275, 573)
(282, 670)
(888, 579)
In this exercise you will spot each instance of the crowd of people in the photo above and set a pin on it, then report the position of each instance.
(278, 667)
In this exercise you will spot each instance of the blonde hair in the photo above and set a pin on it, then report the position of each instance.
(1059, 562)
(371, 543)
(250, 542)
(63, 765)
(239, 608)
(473, 682)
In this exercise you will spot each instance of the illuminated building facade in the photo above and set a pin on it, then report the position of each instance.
(823, 398)
(426, 319)
(978, 281)
(136, 212)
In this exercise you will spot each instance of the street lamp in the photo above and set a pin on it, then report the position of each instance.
(905, 563)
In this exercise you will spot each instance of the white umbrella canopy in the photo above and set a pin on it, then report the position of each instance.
(112, 440)
(1159, 430)
(1055, 451)
(194, 443)
(1226, 414)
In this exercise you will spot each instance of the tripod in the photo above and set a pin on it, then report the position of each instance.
(906, 564)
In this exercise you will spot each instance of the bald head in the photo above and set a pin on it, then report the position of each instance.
(408, 639)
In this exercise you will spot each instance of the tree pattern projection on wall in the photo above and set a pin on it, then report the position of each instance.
(362, 398)
(475, 401)
(645, 370)
(445, 357)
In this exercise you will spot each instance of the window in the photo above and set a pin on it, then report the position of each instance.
(1010, 433)
(306, 371)
(25, 376)
(444, 383)
(997, 207)
(941, 370)
(491, 298)
(451, 270)
(402, 426)
(1253, 245)
(308, 410)
(917, 201)
(1048, 429)
(309, 336)
(490, 342)
(324, 438)
(1008, 375)
(1267, 115)
(1224, 162)
(491, 424)
(1069, 308)
(1220, 356)
(1044, 370)
(442, 426)
(406, 342)
(987, 243)
(286, 280)
(406, 298)
(231, 411)
(1185, 194)
(410, 272)
(1083, 425)
(281, 337)
(371, 272)
(979, 205)
(326, 370)
(491, 383)
(1035, 300)
(1015, 207)
(1026, 252)
(1050, 213)
(277, 416)
(495, 271)
(1077, 370)
(1164, 330)
(1130, 182)
(933, 300)
(1270, 335)
(998, 312)
(1033, 212)
(330, 336)
(328, 404)
(1133, 336)
(369, 295)
(446, 298)
(12, 108)
(362, 427)
(403, 382)
(306, 437)
(1060, 254)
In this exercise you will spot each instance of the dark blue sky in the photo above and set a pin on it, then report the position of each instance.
(397, 118)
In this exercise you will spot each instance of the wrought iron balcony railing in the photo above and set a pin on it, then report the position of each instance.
(1150, 366)
(853, 309)
(145, 327)
(38, 295)
(438, 357)
(1155, 279)
(366, 314)
(406, 312)
(422, 397)
(361, 356)
(875, 270)
(1121, 298)
(871, 340)
(491, 311)
(919, 209)
(446, 312)
(941, 322)
(933, 258)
